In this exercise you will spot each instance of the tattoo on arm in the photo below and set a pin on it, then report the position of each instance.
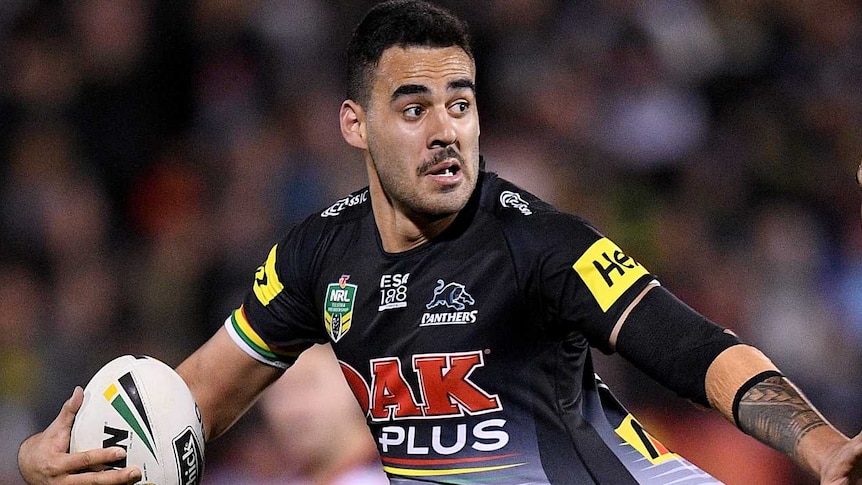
(774, 412)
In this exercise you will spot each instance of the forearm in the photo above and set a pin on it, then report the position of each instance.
(776, 413)
(224, 381)
(747, 388)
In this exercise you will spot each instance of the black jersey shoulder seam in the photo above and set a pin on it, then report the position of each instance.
(509, 220)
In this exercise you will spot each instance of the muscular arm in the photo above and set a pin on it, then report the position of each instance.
(770, 408)
(775, 412)
(699, 360)
(225, 382)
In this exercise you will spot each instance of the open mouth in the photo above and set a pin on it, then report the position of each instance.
(445, 163)
(446, 169)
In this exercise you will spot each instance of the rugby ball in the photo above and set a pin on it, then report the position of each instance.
(141, 404)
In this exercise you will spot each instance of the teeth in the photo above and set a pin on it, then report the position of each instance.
(449, 172)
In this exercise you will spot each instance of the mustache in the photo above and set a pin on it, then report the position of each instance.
(444, 154)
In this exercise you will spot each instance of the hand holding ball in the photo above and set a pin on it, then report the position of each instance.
(144, 406)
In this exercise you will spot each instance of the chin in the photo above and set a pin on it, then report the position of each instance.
(440, 204)
(449, 204)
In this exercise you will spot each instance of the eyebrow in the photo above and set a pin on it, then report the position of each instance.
(409, 89)
(462, 84)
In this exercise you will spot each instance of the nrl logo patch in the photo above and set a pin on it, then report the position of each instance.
(338, 307)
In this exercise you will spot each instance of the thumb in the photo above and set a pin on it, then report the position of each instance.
(61, 427)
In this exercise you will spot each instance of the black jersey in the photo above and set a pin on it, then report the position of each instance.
(470, 355)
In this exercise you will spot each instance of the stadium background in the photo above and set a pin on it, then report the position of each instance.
(151, 151)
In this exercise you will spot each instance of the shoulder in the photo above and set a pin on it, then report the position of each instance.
(524, 216)
(353, 205)
(300, 242)
(341, 213)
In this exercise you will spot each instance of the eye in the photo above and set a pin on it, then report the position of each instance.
(460, 107)
(413, 112)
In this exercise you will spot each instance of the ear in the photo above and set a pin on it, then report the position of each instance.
(352, 118)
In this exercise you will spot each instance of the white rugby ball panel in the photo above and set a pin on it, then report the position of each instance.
(144, 406)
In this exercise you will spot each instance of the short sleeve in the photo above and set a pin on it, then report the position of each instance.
(586, 281)
(276, 321)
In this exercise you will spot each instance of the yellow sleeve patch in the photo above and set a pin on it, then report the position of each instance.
(635, 435)
(608, 272)
(266, 283)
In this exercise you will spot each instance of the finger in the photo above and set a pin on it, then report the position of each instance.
(848, 460)
(95, 459)
(855, 449)
(58, 433)
(859, 176)
(69, 410)
(126, 475)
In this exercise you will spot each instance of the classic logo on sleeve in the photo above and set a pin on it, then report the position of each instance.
(338, 307)
(341, 204)
(607, 271)
(266, 283)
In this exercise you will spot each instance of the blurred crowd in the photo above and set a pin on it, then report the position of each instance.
(151, 152)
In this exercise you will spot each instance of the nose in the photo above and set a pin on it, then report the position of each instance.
(442, 132)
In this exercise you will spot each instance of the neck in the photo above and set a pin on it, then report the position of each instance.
(399, 230)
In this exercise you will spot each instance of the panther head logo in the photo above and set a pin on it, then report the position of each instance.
(452, 295)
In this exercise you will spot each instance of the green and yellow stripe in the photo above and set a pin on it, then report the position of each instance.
(242, 328)
(249, 336)
(460, 463)
(113, 396)
(412, 472)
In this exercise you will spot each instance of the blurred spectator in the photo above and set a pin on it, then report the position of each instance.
(22, 365)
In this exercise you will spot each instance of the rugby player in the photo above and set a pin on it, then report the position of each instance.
(463, 309)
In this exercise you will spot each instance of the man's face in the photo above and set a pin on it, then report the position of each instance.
(422, 130)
